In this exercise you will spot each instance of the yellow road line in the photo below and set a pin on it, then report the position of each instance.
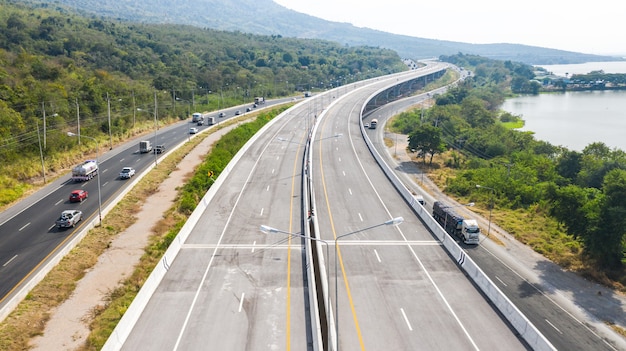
(339, 258)
(288, 312)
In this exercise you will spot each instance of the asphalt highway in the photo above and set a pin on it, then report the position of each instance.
(397, 287)
(231, 286)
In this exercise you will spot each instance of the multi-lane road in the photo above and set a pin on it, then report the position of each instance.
(29, 240)
(233, 287)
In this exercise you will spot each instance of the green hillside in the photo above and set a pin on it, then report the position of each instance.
(266, 17)
(76, 69)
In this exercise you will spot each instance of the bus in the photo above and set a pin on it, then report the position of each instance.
(373, 123)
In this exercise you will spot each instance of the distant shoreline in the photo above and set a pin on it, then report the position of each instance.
(553, 89)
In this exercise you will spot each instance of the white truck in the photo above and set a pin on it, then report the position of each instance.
(454, 224)
(470, 231)
(85, 171)
(145, 146)
(197, 117)
(259, 100)
(210, 121)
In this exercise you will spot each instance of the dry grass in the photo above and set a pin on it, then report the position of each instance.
(533, 228)
(619, 330)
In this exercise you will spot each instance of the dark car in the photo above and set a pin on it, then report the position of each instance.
(222, 114)
(159, 149)
(248, 109)
(237, 113)
(200, 123)
(78, 195)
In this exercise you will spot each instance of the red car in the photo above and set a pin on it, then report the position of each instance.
(78, 195)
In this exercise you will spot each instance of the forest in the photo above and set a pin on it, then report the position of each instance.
(60, 72)
(568, 205)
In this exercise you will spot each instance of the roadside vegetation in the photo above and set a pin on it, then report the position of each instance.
(110, 79)
(29, 318)
(569, 206)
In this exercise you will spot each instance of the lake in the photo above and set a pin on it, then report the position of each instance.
(575, 119)
(584, 68)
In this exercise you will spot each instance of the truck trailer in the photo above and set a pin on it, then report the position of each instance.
(85, 171)
(145, 146)
(466, 229)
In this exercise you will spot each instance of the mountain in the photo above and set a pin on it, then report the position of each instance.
(266, 17)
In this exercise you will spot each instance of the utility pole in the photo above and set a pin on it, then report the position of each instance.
(109, 116)
(78, 120)
(43, 109)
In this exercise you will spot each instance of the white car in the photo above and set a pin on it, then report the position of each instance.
(69, 218)
(127, 173)
(193, 130)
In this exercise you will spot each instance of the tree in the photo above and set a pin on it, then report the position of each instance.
(576, 208)
(568, 165)
(607, 243)
(597, 218)
(475, 113)
(427, 139)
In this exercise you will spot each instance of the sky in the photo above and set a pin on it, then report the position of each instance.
(593, 28)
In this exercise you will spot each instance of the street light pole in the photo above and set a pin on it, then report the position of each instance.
(393, 221)
(156, 127)
(267, 230)
(98, 163)
(490, 204)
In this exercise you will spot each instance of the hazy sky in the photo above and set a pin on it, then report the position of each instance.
(594, 27)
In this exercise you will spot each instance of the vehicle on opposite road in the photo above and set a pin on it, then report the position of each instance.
(466, 229)
(159, 149)
(193, 130)
(78, 195)
(69, 218)
(85, 171)
(197, 117)
(420, 199)
(127, 173)
(145, 146)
